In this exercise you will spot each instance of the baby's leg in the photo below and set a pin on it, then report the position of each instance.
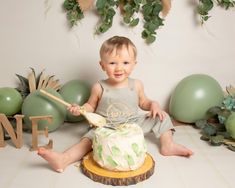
(163, 130)
(59, 161)
(169, 147)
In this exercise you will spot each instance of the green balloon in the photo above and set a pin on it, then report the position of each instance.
(37, 104)
(193, 96)
(230, 125)
(75, 92)
(10, 101)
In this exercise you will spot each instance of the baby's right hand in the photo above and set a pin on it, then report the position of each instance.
(74, 109)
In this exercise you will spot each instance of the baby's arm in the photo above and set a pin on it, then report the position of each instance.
(149, 105)
(92, 102)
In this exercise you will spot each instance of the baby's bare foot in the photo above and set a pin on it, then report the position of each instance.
(57, 161)
(175, 149)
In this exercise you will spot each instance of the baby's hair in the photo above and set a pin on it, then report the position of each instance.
(117, 43)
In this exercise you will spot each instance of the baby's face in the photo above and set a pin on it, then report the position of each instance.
(119, 64)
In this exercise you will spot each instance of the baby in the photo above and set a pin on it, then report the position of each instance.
(118, 98)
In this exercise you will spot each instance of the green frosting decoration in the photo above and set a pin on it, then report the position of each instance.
(135, 148)
(129, 159)
(116, 151)
(111, 161)
(99, 151)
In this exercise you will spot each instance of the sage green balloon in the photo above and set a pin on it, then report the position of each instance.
(37, 104)
(230, 125)
(10, 101)
(75, 92)
(193, 96)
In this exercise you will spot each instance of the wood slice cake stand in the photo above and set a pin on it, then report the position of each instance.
(92, 170)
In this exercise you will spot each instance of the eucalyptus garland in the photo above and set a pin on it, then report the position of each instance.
(150, 10)
(205, 6)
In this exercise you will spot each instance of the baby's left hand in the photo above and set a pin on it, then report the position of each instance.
(155, 111)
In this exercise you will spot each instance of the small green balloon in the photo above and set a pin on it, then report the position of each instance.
(193, 97)
(75, 92)
(230, 125)
(37, 104)
(10, 101)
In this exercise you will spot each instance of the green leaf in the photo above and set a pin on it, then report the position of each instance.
(232, 148)
(103, 28)
(127, 20)
(215, 110)
(145, 34)
(150, 39)
(205, 137)
(24, 86)
(147, 9)
(217, 140)
(209, 130)
(225, 134)
(134, 22)
(100, 4)
(201, 123)
(69, 4)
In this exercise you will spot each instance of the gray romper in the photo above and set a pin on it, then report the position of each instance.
(121, 105)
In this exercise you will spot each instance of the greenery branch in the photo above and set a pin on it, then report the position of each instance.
(74, 12)
(205, 6)
(213, 127)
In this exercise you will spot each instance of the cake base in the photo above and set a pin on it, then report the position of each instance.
(92, 170)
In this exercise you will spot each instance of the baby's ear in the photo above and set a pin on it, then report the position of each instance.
(102, 66)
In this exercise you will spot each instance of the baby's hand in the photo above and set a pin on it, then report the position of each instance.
(155, 111)
(74, 109)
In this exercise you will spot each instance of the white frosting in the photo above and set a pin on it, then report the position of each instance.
(123, 149)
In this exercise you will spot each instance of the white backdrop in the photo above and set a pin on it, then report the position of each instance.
(35, 33)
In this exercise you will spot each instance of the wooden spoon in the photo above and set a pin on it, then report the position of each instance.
(93, 118)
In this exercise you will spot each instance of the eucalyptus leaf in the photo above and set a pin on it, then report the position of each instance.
(201, 123)
(215, 110)
(209, 130)
(205, 137)
(217, 140)
(150, 39)
(134, 22)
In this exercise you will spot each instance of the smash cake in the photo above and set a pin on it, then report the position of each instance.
(123, 149)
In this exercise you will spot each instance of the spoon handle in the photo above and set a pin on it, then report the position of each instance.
(55, 98)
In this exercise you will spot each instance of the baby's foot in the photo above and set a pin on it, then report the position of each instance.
(175, 149)
(56, 160)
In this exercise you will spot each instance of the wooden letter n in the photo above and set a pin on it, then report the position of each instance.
(16, 137)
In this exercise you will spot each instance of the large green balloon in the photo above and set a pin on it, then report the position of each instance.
(193, 96)
(37, 104)
(10, 101)
(230, 125)
(75, 91)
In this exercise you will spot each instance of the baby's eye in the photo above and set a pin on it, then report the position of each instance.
(126, 63)
(112, 63)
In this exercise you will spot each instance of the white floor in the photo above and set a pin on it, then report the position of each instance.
(211, 167)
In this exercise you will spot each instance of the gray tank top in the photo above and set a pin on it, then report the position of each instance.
(118, 105)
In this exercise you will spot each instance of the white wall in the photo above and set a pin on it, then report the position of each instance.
(35, 33)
